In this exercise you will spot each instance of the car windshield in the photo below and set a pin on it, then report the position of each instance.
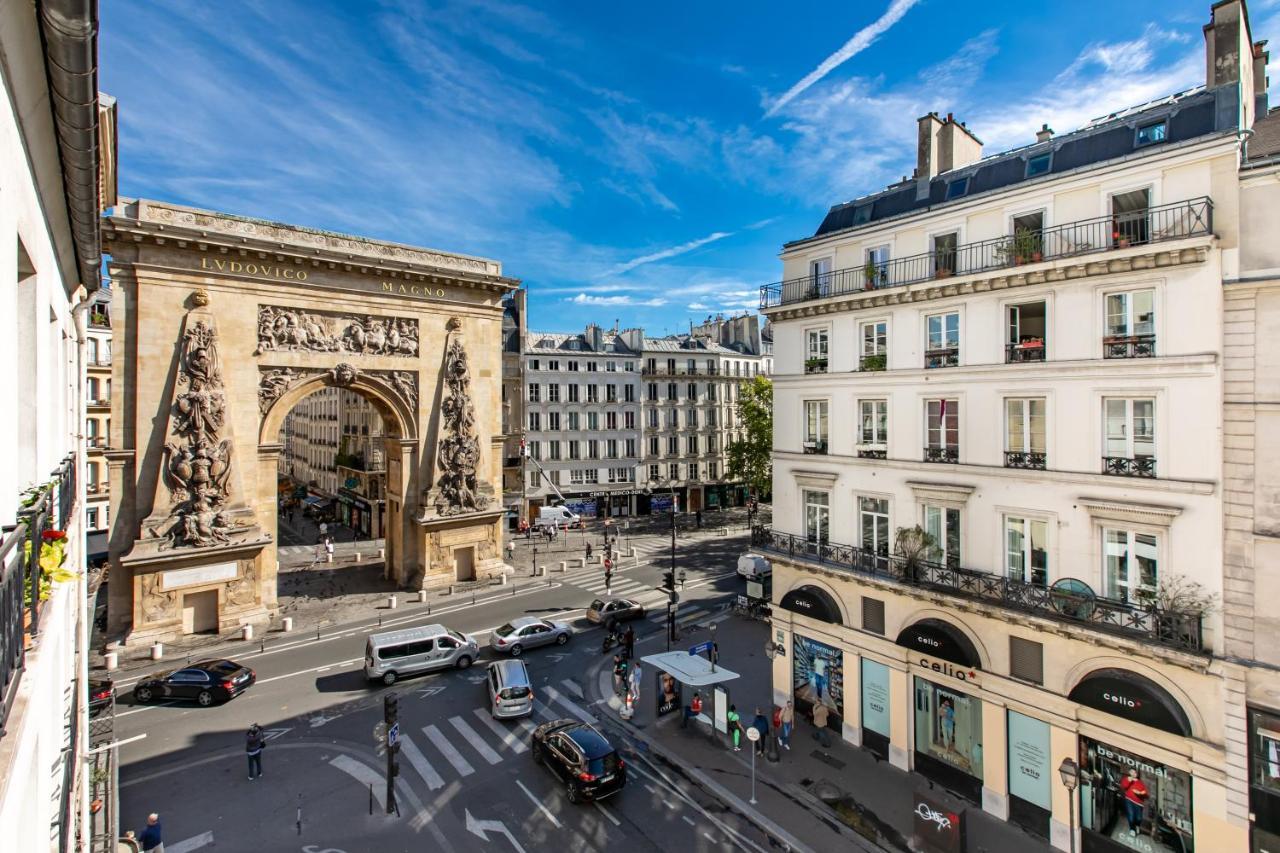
(224, 667)
(597, 605)
(459, 637)
(505, 630)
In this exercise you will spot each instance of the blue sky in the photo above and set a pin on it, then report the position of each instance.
(638, 162)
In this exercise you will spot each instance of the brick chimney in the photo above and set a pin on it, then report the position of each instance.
(1232, 58)
(928, 128)
(1044, 134)
(942, 145)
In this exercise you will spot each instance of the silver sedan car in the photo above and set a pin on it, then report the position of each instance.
(526, 633)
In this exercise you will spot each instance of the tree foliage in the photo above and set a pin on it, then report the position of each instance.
(751, 459)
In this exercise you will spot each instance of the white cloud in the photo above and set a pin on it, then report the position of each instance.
(588, 299)
(861, 40)
(673, 251)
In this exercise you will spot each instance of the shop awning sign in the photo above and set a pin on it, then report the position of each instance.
(1134, 697)
(814, 602)
(938, 639)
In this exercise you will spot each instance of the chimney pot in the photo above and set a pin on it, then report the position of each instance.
(1044, 134)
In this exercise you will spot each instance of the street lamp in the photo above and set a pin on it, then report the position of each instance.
(1070, 773)
(671, 623)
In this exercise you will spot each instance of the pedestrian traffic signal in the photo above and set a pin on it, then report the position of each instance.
(669, 581)
(390, 708)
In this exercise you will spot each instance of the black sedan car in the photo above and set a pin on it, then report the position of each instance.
(207, 682)
(102, 692)
(581, 758)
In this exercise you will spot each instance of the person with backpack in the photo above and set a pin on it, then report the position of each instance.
(253, 744)
(735, 726)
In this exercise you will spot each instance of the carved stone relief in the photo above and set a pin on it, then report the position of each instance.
(275, 381)
(457, 490)
(283, 329)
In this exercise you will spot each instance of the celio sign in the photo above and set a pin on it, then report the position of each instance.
(946, 667)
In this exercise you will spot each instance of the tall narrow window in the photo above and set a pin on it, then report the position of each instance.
(817, 513)
(1024, 433)
(875, 270)
(942, 523)
(1130, 561)
(875, 345)
(873, 428)
(1130, 218)
(1026, 332)
(1129, 439)
(873, 525)
(942, 431)
(942, 349)
(815, 426)
(1131, 325)
(1027, 550)
(944, 254)
(815, 360)
(819, 278)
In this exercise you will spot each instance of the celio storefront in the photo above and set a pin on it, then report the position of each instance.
(991, 719)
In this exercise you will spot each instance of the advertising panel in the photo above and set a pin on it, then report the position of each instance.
(1029, 770)
(1133, 801)
(875, 697)
(818, 676)
(668, 694)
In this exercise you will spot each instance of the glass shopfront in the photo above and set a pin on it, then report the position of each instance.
(1128, 802)
(875, 707)
(948, 732)
(1264, 779)
(1030, 773)
(818, 676)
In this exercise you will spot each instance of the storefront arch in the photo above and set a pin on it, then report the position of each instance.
(1132, 696)
(932, 633)
(815, 599)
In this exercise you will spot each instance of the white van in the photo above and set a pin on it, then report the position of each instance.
(555, 516)
(394, 654)
(754, 567)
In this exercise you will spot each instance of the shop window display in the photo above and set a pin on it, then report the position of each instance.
(818, 676)
(949, 727)
(1133, 802)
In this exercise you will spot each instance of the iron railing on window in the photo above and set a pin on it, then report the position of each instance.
(1024, 459)
(1130, 346)
(950, 455)
(944, 357)
(1020, 353)
(1129, 466)
(1176, 221)
(818, 446)
(1175, 629)
(872, 453)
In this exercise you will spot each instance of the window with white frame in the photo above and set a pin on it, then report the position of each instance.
(692, 444)
(711, 392)
(653, 473)
(713, 470)
(873, 424)
(653, 446)
(629, 393)
(630, 448)
(553, 364)
(1131, 318)
(652, 418)
(817, 515)
(629, 420)
(535, 450)
(611, 393)
(534, 395)
(673, 445)
(942, 344)
(593, 393)
(575, 449)
(691, 419)
(815, 425)
(942, 425)
(535, 421)
(553, 392)
(553, 421)
(553, 450)
(535, 479)
(573, 421)
(593, 449)
(573, 392)
(877, 263)
(611, 367)
(711, 417)
(1129, 429)
(815, 360)
(1026, 549)
(610, 420)
(875, 345)
(1024, 427)
(820, 276)
(611, 448)
(592, 475)
(593, 420)
(942, 523)
(693, 471)
(673, 470)
(873, 525)
(577, 476)
(1130, 561)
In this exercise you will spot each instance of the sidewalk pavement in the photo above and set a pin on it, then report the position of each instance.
(810, 797)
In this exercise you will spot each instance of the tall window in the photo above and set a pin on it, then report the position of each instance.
(631, 448)
(611, 393)
(553, 421)
(652, 418)
(534, 395)
(711, 417)
(573, 421)
(713, 470)
(873, 424)
(610, 420)
(711, 391)
(593, 393)
(876, 268)
(553, 450)
(873, 525)
(653, 472)
(942, 428)
(691, 442)
(875, 345)
(1129, 565)
(573, 392)
(820, 277)
(553, 392)
(593, 448)
(593, 420)
(815, 360)
(943, 524)
(535, 421)
(629, 420)
(673, 445)
(673, 470)
(629, 393)
(1026, 549)
(691, 419)
(671, 390)
(653, 392)
(1130, 438)
(815, 426)
(611, 448)
(817, 515)
(1131, 324)
(942, 348)
(1024, 432)
(944, 254)
(654, 449)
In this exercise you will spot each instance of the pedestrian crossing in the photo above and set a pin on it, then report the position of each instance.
(453, 748)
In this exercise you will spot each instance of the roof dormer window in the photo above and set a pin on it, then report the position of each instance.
(1039, 164)
(1150, 134)
(862, 214)
(957, 188)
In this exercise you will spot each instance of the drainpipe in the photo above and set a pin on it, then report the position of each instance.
(83, 620)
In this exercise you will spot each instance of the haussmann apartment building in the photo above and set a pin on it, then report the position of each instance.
(1023, 355)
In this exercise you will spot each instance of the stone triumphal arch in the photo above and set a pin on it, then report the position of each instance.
(221, 325)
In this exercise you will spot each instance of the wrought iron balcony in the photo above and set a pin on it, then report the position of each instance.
(949, 455)
(1126, 466)
(872, 453)
(1024, 459)
(663, 370)
(1130, 346)
(815, 365)
(945, 357)
(1024, 352)
(1172, 628)
(818, 446)
(1176, 221)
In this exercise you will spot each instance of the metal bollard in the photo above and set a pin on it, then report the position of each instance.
(382, 553)
(393, 601)
(286, 624)
(564, 567)
(111, 660)
(157, 651)
(328, 558)
(246, 632)
(503, 579)
(357, 556)
(422, 596)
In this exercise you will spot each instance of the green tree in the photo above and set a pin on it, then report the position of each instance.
(751, 459)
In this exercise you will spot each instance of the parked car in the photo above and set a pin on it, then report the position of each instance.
(394, 654)
(609, 611)
(206, 681)
(509, 688)
(555, 516)
(102, 692)
(527, 632)
(581, 758)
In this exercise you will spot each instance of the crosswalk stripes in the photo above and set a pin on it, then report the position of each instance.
(410, 751)
(447, 749)
(557, 696)
(503, 731)
(363, 774)
(477, 743)
(527, 724)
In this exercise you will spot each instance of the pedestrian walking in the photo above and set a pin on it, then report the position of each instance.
(588, 552)
(150, 840)
(820, 713)
(698, 517)
(761, 724)
(735, 726)
(511, 552)
(777, 723)
(629, 641)
(788, 719)
(324, 528)
(328, 546)
(619, 674)
(634, 677)
(253, 744)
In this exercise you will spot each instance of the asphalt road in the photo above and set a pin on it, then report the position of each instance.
(467, 782)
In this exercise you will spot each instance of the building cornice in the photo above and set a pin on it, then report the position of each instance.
(1193, 364)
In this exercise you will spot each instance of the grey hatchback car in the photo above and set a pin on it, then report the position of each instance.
(526, 633)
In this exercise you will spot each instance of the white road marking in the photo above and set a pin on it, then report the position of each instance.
(688, 820)
(454, 757)
(486, 752)
(420, 763)
(543, 711)
(309, 670)
(541, 806)
(526, 724)
(557, 696)
(363, 774)
(503, 732)
(711, 838)
(606, 813)
(204, 839)
(144, 708)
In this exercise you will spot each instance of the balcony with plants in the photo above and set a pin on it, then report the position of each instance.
(1083, 239)
(1171, 616)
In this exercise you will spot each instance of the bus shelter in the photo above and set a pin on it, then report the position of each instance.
(678, 672)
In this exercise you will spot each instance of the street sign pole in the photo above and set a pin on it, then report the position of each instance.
(753, 735)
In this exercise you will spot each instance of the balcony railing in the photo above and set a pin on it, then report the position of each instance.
(949, 455)
(872, 453)
(48, 507)
(1177, 221)
(1024, 352)
(1131, 346)
(1129, 466)
(815, 365)
(662, 370)
(1175, 629)
(944, 357)
(818, 446)
(873, 363)
(1024, 459)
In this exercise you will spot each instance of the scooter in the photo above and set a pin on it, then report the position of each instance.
(612, 639)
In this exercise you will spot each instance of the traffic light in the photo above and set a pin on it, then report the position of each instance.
(390, 709)
(669, 581)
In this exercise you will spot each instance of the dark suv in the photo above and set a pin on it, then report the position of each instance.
(581, 758)
(207, 681)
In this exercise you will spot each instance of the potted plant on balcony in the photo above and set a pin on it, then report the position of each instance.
(815, 365)
(873, 362)
(913, 545)
(1173, 601)
(869, 274)
(942, 272)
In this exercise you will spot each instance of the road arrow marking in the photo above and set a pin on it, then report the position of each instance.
(479, 828)
(430, 690)
(556, 658)
(272, 734)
